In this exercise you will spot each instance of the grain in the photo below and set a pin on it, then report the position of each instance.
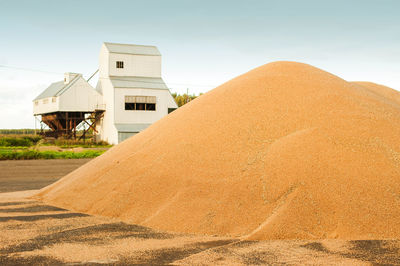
(285, 151)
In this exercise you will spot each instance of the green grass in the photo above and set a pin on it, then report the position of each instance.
(63, 143)
(33, 154)
(26, 131)
(11, 148)
(70, 143)
(25, 141)
(14, 146)
(32, 140)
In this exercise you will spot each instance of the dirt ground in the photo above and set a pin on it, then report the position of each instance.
(35, 233)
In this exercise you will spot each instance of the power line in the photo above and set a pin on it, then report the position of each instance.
(30, 69)
(151, 82)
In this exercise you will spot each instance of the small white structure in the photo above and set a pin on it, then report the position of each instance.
(134, 94)
(66, 104)
(73, 94)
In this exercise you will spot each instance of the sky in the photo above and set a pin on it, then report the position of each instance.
(203, 43)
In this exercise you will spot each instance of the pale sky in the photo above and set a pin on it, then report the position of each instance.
(203, 43)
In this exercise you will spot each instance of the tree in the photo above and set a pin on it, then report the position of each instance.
(182, 99)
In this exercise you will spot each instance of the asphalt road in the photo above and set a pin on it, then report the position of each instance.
(20, 175)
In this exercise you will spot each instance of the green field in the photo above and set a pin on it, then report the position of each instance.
(33, 154)
(19, 146)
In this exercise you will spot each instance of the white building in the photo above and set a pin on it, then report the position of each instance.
(134, 94)
(129, 97)
(73, 94)
(66, 104)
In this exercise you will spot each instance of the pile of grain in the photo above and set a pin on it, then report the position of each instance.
(284, 151)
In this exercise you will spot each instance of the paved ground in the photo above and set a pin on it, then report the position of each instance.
(18, 175)
(35, 233)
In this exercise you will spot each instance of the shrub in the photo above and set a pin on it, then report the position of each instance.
(16, 141)
(34, 154)
(34, 139)
(70, 143)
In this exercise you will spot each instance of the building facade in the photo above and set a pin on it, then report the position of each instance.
(133, 92)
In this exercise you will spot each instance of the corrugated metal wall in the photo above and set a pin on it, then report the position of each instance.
(124, 135)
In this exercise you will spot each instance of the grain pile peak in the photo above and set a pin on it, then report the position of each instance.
(284, 151)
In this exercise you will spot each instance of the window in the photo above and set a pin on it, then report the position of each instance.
(120, 64)
(53, 100)
(36, 102)
(150, 106)
(45, 101)
(170, 110)
(129, 106)
(141, 106)
(140, 103)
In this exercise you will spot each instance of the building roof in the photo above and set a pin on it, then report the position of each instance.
(57, 88)
(132, 49)
(138, 82)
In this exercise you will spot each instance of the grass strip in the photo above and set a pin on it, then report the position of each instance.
(33, 154)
